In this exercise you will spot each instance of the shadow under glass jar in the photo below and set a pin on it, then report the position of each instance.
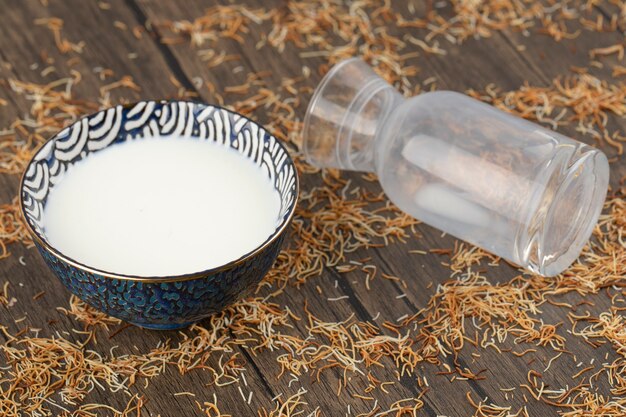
(525, 193)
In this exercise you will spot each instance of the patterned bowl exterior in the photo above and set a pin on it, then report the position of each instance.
(159, 302)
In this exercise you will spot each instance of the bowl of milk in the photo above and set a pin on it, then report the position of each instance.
(160, 212)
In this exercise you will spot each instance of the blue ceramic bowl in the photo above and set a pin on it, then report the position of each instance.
(159, 302)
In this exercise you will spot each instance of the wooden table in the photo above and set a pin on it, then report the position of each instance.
(507, 59)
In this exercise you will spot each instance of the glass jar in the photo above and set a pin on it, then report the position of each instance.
(525, 193)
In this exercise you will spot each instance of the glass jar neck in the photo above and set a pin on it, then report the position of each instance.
(364, 123)
(346, 116)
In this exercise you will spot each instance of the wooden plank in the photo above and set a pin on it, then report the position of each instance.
(481, 65)
(125, 55)
(280, 64)
(475, 64)
(504, 65)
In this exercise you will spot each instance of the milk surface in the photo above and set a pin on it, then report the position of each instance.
(161, 206)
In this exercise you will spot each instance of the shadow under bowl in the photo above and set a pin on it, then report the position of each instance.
(159, 302)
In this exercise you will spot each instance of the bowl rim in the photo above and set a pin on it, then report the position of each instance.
(166, 278)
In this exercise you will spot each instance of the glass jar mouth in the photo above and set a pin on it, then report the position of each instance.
(310, 142)
(344, 115)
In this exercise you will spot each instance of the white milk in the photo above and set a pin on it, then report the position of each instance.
(161, 207)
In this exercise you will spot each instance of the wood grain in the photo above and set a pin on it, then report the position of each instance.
(472, 65)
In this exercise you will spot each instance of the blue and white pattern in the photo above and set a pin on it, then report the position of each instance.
(150, 118)
(159, 302)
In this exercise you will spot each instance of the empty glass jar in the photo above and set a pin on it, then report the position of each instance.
(512, 187)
